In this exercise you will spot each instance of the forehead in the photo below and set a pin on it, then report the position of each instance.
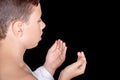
(36, 12)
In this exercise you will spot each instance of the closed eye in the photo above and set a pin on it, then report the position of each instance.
(39, 20)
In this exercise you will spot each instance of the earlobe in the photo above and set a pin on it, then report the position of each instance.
(17, 28)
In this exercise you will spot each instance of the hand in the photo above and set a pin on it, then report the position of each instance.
(75, 69)
(55, 56)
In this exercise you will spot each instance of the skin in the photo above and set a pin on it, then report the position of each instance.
(55, 56)
(20, 36)
(77, 68)
(26, 35)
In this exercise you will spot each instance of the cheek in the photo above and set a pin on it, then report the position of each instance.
(32, 36)
(35, 30)
(38, 30)
(37, 33)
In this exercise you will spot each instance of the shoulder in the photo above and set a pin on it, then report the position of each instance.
(24, 75)
(28, 77)
(16, 74)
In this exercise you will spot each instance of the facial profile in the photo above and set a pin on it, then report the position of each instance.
(33, 28)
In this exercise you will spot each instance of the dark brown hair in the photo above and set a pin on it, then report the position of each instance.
(11, 10)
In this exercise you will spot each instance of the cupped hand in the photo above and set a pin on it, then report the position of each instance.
(75, 69)
(55, 56)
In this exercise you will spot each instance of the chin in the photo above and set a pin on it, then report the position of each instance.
(34, 45)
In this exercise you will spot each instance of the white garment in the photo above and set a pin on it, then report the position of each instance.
(42, 74)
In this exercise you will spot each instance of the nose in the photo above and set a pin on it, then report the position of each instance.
(43, 25)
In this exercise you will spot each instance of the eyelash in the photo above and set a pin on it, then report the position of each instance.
(39, 21)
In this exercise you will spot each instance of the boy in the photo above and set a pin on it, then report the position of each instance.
(20, 29)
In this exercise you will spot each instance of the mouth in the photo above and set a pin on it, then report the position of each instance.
(41, 34)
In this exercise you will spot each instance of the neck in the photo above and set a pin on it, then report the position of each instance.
(11, 53)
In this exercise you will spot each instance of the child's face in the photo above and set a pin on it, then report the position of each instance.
(34, 27)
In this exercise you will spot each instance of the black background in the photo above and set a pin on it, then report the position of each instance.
(82, 25)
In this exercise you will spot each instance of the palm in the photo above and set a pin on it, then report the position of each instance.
(56, 54)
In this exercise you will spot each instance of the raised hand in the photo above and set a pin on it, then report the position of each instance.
(55, 56)
(75, 69)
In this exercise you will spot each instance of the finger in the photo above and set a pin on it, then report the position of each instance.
(58, 47)
(83, 65)
(64, 50)
(63, 45)
(83, 56)
(79, 55)
(82, 53)
(78, 63)
(60, 43)
(54, 46)
(82, 68)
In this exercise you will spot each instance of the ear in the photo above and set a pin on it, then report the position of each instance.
(17, 28)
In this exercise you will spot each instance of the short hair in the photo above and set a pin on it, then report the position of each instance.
(11, 10)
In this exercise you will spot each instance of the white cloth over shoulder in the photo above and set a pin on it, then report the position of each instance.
(42, 74)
